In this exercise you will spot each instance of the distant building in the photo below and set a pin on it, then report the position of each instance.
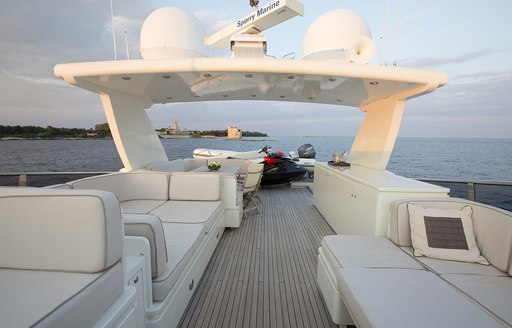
(234, 132)
(175, 130)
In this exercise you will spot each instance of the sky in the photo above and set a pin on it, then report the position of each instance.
(467, 39)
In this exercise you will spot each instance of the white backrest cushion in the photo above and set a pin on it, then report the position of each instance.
(129, 186)
(493, 233)
(492, 227)
(445, 234)
(61, 230)
(150, 227)
(194, 186)
(399, 227)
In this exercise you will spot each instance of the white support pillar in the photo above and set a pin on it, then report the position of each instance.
(136, 140)
(376, 138)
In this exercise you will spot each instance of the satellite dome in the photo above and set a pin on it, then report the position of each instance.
(172, 32)
(339, 34)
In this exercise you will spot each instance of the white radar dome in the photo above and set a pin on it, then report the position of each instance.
(171, 32)
(339, 34)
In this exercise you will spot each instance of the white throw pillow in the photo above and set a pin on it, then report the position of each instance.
(445, 234)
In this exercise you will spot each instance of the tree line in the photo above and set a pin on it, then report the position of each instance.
(99, 131)
(51, 132)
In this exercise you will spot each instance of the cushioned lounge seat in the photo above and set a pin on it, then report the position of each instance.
(374, 286)
(60, 258)
(57, 299)
(183, 210)
(182, 242)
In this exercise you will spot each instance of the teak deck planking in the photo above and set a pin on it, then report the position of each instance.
(263, 274)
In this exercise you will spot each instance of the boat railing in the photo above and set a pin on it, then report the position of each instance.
(494, 193)
(42, 179)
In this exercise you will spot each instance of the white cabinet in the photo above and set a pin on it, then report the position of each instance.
(355, 200)
(135, 277)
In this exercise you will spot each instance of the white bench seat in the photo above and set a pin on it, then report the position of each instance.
(175, 212)
(372, 281)
(61, 258)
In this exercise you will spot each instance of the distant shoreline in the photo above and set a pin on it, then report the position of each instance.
(110, 138)
(102, 131)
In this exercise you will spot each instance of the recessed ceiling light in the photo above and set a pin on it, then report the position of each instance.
(225, 96)
(291, 77)
(168, 97)
(166, 76)
(126, 78)
(339, 100)
(332, 79)
(248, 76)
(281, 97)
(374, 83)
(207, 75)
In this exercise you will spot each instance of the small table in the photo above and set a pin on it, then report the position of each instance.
(224, 169)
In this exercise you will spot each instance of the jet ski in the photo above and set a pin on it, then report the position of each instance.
(279, 168)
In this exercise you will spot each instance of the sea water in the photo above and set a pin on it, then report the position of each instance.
(434, 158)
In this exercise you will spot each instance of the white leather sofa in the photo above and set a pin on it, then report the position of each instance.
(61, 259)
(375, 281)
(232, 201)
(182, 215)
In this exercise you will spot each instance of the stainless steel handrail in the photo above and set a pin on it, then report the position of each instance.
(22, 176)
(472, 195)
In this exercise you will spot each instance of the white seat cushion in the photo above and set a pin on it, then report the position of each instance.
(365, 251)
(493, 293)
(407, 298)
(141, 206)
(182, 242)
(57, 299)
(190, 212)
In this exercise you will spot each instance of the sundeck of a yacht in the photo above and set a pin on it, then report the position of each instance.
(177, 254)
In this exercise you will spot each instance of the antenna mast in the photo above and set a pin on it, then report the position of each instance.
(396, 33)
(386, 37)
(113, 30)
(126, 43)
